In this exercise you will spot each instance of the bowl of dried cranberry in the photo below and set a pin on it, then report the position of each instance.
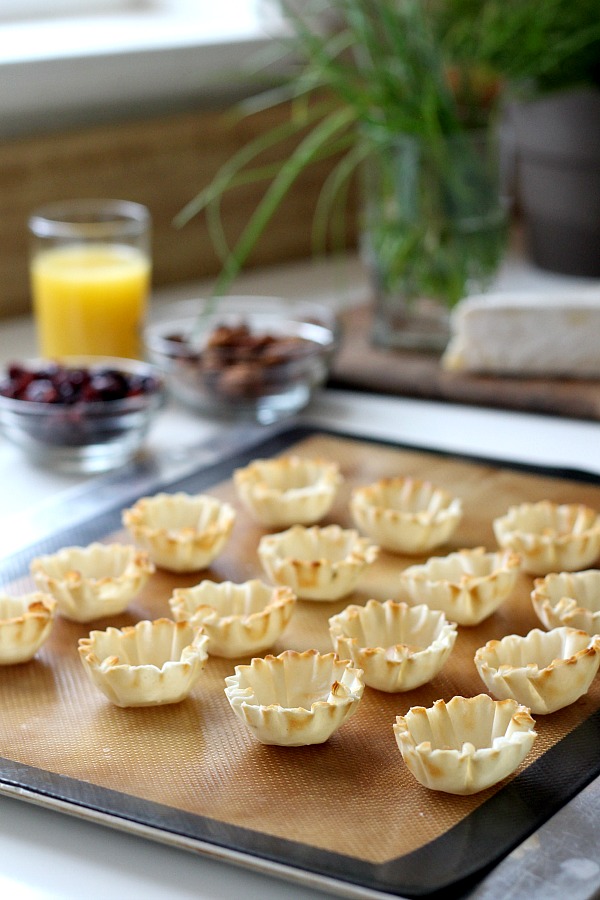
(259, 358)
(79, 414)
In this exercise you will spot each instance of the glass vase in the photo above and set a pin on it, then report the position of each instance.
(434, 231)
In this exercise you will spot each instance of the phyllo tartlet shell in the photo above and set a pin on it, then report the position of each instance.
(295, 698)
(92, 582)
(397, 646)
(466, 745)
(148, 664)
(468, 585)
(568, 598)
(317, 563)
(239, 619)
(25, 623)
(288, 490)
(550, 537)
(544, 670)
(405, 515)
(180, 532)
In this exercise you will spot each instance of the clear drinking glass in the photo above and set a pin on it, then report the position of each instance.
(90, 269)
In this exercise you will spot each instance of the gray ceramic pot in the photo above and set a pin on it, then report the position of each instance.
(557, 144)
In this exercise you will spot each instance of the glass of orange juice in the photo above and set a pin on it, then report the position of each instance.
(90, 277)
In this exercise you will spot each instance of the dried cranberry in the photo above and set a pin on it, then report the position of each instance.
(41, 390)
(17, 384)
(141, 384)
(16, 371)
(106, 384)
(49, 372)
(63, 385)
(69, 382)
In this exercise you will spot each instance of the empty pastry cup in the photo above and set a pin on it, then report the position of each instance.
(148, 664)
(295, 698)
(405, 515)
(290, 490)
(92, 582)
(181, 532)
(239, 619)
(397, 646)
(544, 670)
(25, 623)
(317, 563)
(468, 585)
(550, 537)
(572, 599)
(466, 745)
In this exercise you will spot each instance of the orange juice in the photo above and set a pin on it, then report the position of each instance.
(90, 299)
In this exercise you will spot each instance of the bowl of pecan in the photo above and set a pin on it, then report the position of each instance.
(79, 414)
(258, 358)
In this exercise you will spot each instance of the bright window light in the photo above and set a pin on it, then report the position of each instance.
(42, 9)
(130, 56)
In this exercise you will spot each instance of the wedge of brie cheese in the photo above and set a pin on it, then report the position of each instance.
(552, 334)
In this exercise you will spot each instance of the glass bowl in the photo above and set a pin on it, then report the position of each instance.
(258, 358)
(81, 435)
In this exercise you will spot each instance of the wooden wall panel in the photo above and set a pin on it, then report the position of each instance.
(161, 162)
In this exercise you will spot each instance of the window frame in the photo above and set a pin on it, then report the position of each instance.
(166, 55)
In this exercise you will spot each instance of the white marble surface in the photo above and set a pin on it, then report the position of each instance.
(45, 855)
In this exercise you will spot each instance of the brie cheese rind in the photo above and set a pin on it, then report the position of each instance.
(526, 334)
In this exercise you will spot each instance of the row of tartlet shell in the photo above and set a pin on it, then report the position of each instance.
(301, 698)
(82, 583)
(468, 585)
(185, 533)
(412, 516)
(405, 515)
(399, 647)
(295, 699)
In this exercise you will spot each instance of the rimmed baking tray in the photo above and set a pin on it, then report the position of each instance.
(346, 815)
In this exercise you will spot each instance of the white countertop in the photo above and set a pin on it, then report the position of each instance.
(45, 855)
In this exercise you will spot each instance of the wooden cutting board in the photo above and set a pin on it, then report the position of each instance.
(360, 365)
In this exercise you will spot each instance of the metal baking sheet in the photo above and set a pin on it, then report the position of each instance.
(345, 816)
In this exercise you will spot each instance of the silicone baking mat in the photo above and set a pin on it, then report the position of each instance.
(347, 811)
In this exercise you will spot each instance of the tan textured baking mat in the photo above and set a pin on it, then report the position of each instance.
(352, 795)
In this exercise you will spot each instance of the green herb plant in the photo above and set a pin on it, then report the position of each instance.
(373, 82)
